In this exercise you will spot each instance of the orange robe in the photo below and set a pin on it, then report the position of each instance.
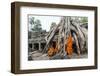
(52, 51)
(68, 46)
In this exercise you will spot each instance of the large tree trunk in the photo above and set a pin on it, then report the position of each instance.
(67, 26)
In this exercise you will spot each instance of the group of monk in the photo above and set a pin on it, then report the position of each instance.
(53, 49)
(68, 47)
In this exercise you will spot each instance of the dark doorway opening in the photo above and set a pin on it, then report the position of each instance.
(30, 45)
(36, 46)
(43, 45)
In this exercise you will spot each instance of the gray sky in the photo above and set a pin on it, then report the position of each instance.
(46, 21)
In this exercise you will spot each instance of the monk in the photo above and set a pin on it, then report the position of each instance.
(68, 46)
(53, 49)
(50, 51)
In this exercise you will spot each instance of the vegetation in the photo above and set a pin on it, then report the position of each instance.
(84, 19)
(36, 24)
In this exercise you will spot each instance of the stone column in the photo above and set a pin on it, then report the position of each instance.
(39, 46)
(33, 46)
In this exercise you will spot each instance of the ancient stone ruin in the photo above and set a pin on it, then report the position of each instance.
(63, 39)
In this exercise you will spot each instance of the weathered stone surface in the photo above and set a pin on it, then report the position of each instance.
(40, 56)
